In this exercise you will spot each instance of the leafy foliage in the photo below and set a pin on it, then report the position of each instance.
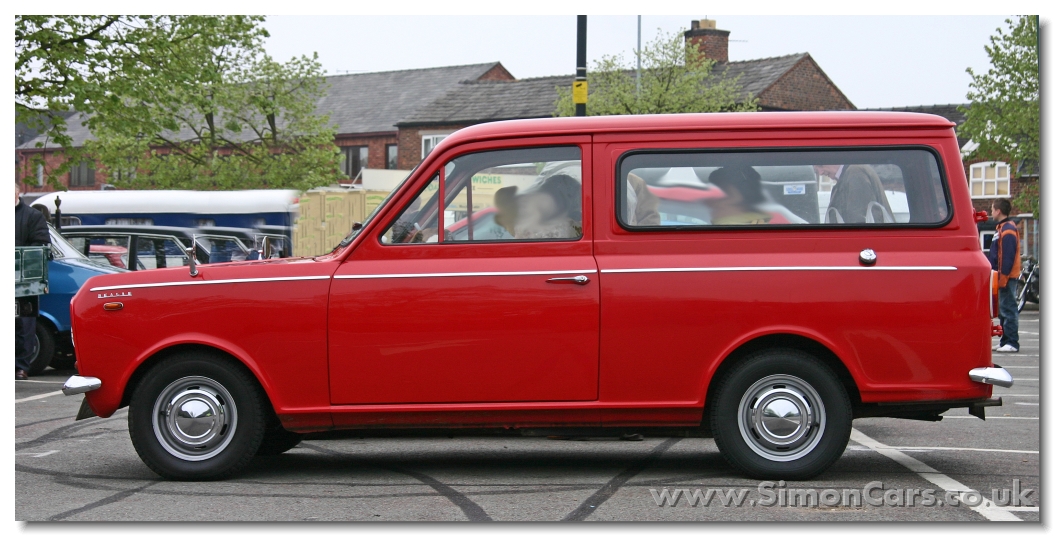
(675, 78)
(1003, 116)
(174, 101)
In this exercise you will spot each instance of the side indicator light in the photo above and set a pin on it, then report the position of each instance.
(113, 306)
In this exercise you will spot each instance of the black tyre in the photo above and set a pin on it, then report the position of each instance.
(781, 414)
(65, 357)
(45, 341)
(63, 360)
(277, 440)
(196, 417)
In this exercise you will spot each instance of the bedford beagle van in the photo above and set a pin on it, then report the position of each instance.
(759, 278)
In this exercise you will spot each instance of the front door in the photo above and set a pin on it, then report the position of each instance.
(502, 306)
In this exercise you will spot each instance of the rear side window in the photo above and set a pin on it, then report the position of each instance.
(876, 187)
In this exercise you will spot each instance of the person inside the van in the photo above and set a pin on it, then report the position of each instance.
(549, 208)
(642, 207)
(857, 195)
(742, 188)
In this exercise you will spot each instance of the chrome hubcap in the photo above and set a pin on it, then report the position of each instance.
(781, 417)
(194, 418)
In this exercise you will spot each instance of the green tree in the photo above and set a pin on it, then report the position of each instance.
(675, 78)
(1003, 116)
(174, 101)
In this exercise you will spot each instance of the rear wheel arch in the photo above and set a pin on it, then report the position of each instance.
(777, 341)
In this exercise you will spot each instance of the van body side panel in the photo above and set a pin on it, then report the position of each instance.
(675, 304)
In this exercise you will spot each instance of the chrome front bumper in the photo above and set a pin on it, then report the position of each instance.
(82, 384)
(991, 375)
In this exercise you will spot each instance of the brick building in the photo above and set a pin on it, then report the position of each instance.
(363, 107)
(390, 120)
(784, 83)
(989, 180)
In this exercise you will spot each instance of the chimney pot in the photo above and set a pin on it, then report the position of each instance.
(712, 42)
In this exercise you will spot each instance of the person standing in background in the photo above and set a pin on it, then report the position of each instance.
(31, 229)
(1006, 261)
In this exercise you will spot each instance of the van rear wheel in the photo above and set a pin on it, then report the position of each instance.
(196, 417)
(781, 414)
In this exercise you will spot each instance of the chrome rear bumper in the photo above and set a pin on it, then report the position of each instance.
(992, 375)
(80, 384)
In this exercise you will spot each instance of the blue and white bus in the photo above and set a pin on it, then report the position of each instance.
(177, 208)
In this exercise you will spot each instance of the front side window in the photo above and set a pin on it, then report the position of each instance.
(989, 179)
(156, 252)
(821, 187)
(512, 195)
(110, 249)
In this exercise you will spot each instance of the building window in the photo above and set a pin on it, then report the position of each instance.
(355, 158)
(429, 142)
(392, 156)
(83, 174)
(124, 174)
(989, 179)
(40, 174)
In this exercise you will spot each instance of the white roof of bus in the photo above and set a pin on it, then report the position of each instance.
(165, 201)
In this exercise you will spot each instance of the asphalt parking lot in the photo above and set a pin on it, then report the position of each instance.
(88, 471)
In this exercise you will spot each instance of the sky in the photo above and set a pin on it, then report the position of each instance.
(877, 61)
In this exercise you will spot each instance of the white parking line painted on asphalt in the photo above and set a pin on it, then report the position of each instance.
(987, 508)
(967, 449)
(1027, 403)
(37, 397)
(36, 454)
(990, 417)
(1020, 366)
(1001, 394)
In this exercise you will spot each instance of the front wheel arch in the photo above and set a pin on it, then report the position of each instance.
(173, 351)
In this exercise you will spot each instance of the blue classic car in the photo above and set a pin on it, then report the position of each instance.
(67, 271)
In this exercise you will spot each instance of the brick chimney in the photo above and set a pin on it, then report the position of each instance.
(711, 41)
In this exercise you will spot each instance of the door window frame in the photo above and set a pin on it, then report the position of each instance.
(369, 244)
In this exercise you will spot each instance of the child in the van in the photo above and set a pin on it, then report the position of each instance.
(742, 188)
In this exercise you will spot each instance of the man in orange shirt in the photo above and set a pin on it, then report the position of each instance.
(1006, 261)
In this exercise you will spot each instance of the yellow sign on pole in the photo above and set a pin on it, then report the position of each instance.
(580, 91)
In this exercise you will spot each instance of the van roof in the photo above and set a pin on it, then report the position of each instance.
(707, 121)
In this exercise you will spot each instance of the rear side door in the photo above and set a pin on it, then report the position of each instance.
(720, 261)
(420, 315)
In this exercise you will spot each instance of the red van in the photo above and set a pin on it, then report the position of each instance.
(760, 278)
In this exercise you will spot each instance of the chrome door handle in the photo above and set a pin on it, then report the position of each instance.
(578, 280)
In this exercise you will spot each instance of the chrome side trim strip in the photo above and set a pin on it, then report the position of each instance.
(216, 282)
(461, 274)
(781, 269)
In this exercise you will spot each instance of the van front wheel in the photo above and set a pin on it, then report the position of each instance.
(196, 417)
(781, 414)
